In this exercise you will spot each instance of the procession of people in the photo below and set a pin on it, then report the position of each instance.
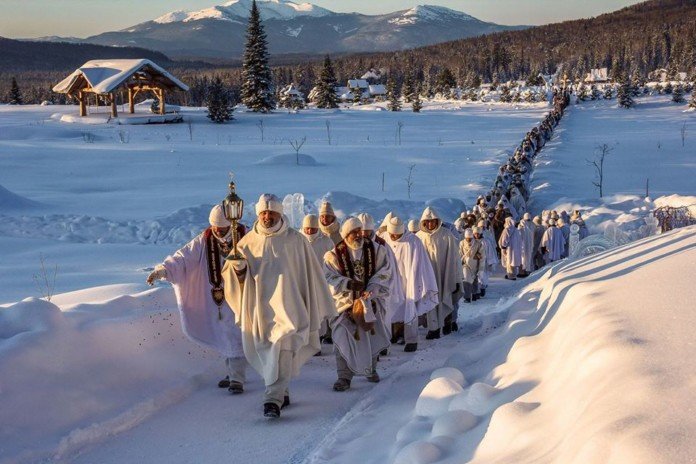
(363, 289)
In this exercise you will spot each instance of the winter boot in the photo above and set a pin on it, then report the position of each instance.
(411, 347)
(432, 334)
(341, 385)
(286, 402)
(384, 352)
(236, 387)
(455, 327)
(224, 383)
(483, 292)
(374, 377)
(271, 411)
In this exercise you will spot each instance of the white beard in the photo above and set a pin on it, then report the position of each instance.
(355, 245)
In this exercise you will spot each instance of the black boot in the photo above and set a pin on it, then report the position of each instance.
(236, 388)
(411, 347)
(341, 385)
(433, 334)
(455, 327)
(286, 402)
(483, 292)
(384, 352)
(271, 411)
(224, 383)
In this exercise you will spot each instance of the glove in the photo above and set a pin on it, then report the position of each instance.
(355, 285)
(159, 273)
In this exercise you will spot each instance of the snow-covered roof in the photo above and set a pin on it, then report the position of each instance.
(103, 76)
(292, 90)
(357, 84)
(378, 89)
(598, 75)
(371, 74)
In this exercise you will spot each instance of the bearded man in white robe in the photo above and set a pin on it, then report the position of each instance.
(510, 243)
(279, 296)
(328, 223)
(472, 254)
(417, 277)
(527, 228)
(195, 273)
(443, 251)
(320, 244)
(552, 243)
(358, 272)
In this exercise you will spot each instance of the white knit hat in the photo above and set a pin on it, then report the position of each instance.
(368, 222)
(327, 209)
(468, 233)
(396, 226)
(268, 202)
(385, 221)
(527, 216)
(350, 224)
(429, 213)
(217, 217)
(310, 221)
(481, 224)
(477, 230)
(413, 226)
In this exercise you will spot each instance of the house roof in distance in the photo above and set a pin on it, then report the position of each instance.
(104, 76)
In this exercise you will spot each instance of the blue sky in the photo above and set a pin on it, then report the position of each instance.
(81, 18)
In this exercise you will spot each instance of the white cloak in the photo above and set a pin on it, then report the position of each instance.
(554, 243)
(417, 278)
(473, 259)
(320, 244)
(526, 229)
(512, 242)
(187, 270)
(358, 354)
(283, 300)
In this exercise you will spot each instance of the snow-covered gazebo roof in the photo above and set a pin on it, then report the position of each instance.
(378, 89)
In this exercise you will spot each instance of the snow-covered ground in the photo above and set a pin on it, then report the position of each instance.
(586, 362)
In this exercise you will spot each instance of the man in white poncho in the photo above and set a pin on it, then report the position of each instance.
(485, 267)
(527, 229)
(195, 273)
(328, 223)
(358, 272)
(279, 296)
(473, 259)
(417, 280)
(552, 243)
(443, 251)
(510, 243)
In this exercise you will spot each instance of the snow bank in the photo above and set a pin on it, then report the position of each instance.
(12, 202)
(289, 160)
(593, 365)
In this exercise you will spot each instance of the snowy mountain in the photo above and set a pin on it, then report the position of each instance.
(218, 31)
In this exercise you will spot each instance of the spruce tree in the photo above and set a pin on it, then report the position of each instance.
(219, 102)
(678, 94)
(692, 102)
(505, 95)
(15, 96)
(393, 95)
(416, 104)
(409, 89)
(623, 95)
(326, 97)
(257, 92)
(445, 82)
(669, 88)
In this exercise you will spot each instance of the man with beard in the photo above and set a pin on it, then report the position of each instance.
(443, 251)
(279, 297)
(511, 249)
(358, 272)
(417, 280)
(320, 244)
(328, 223)
(195, 273)
(527, 228)
(472, 254)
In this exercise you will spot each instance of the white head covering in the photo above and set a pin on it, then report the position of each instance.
(468, 233)
(477, 230)
(552, 222)
(481, 224)
(217, 217)
(429, 213)
(368, 223)
(310, 221)
(350, 224)
(527, 216)
(413, 226)
(537, 220)
(268, 202)
(327, 209)
(396, 226)
(509, 222)
(385, 221)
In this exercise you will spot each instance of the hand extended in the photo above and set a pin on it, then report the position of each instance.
(159, 273)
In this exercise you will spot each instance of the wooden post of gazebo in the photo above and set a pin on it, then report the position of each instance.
(131, 102)
(83, 106)
(161, 104)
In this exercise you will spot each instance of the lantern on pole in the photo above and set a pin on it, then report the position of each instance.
(233, 208)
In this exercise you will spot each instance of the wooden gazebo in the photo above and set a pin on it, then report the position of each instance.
(107, 78)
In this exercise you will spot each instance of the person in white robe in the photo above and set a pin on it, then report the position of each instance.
(539, 230)
(417, 277)
(195, 273)
(328, 223)
(443, 251)
(481, 281)
(461, 222)
(527, 228)
(280, 297)
(358, 271)
(517, 201)
(576, 218)
(472, 254)
(510, 244)
(320, 244)
(552, 243)
(562, 224)
(413, 226)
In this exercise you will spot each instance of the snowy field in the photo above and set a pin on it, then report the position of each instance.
(103, 373)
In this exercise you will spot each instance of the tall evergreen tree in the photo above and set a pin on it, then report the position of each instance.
(219, 102)
(326, 96)
(393, 95)
(678, 94)
(409, 88)
(445, 82)
(416, 104)
(15, 97)
(623, 96)
(257, 81)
